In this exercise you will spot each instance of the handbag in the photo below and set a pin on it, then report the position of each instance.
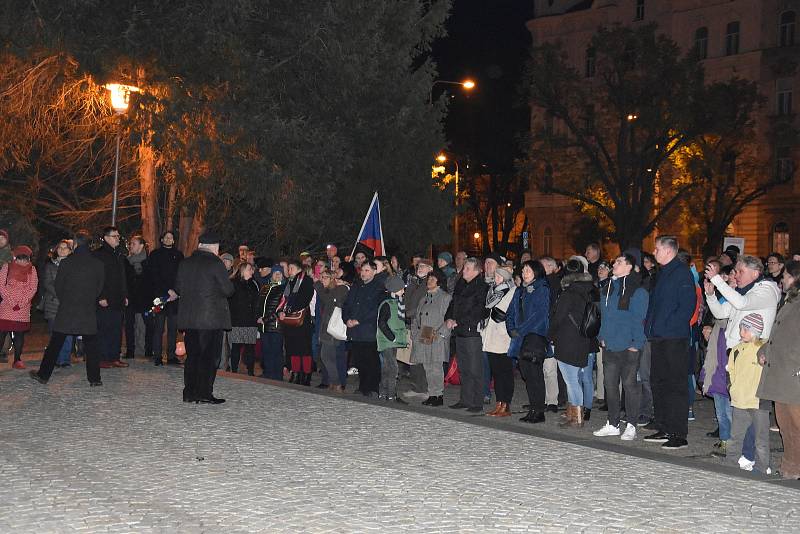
(293, 319)
(427, 335)
(534, 349)
(336, 327)
(403, 354)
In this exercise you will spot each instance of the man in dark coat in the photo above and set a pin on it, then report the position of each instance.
(462, 317)
(204, 287)
(360, 314)
(140, 300)
(78, 285)
(162, 266)
(113, 299)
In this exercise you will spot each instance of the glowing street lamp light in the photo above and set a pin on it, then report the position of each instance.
(632, 117)
(467, 84)
(120, 100)
(441, 158)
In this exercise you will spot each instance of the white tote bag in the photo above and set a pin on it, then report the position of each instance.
(336, 327)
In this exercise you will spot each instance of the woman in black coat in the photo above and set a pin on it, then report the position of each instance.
(572, 350)
(297, 339)
(244, 316)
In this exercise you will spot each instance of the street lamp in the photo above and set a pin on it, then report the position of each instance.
(442, 158)
(466, 84)
(120, 99)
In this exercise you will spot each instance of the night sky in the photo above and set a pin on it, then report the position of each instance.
(488, 42)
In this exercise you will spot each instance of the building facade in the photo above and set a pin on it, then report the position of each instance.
(758, 40)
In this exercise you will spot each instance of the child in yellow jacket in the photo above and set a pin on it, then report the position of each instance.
(745, 374)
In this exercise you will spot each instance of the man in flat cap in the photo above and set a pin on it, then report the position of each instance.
(204, 287)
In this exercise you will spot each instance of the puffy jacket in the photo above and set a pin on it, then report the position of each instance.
(622, 329)
(362, 305)
(204, 287)
(762, 299)
(243, 303)
(47, 287)
(673, 301)
(269, 297)
(466, 308)
(529, 313)
(115, 287)
(570, 346)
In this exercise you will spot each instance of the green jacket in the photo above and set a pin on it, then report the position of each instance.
(392, 331)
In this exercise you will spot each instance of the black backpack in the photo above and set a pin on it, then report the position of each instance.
(590, 321)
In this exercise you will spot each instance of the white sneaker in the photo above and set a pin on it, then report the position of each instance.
(607, 430)
(352, 371)
(629, 434)
(746, 464)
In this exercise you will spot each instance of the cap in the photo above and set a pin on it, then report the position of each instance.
(263, 263)
(504, 273)
(226, 256)
(305, 253)
(277, 268)
(494, 257)
(394, 284)
(209, 238)
(753, 322)
(446, 256)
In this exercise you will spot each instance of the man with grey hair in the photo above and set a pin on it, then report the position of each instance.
(672, 304)
(204, 287)
(754, 293)
(462, 317)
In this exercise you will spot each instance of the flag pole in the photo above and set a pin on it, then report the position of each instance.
(364, 224)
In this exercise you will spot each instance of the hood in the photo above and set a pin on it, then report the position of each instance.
(574, 278)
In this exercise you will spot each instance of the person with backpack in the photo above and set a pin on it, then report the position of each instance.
(571, 347)
(391, 335)
(623, 306)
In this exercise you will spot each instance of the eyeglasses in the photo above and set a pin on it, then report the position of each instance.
(773, 262)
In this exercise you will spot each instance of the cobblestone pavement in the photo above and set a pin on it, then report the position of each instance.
(131, 457)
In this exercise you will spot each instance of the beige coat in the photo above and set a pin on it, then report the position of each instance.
(495, 336)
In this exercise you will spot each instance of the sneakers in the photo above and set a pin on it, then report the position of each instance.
(675, 443)
(629, 434)
(352, 371)
(607, 430)
(691, 415)
(745, 464)
(658, 437)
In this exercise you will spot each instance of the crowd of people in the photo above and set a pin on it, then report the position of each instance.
(641, 334)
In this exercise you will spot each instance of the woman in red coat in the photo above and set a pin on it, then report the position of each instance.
(18, 283)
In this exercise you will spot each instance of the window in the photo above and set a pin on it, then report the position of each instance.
(639, 10)
(590, 62)
(786, 29)
(784, 165)
(547, 241)
(780, 238)
(732, 39)
(701, 43)
(783, 96)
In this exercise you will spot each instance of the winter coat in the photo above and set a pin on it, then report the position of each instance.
(330, 299)
(745, 375)
(269, 297)
(204, 287)
(529, 313)
(47, 284)
(298, 338)
(140, 291)
(162, 265)
(79, 284)
(673, 301)
(15, 306)
(362, 305)
(494, 333)
(466, 308)
(622, 329)
(415, 292)
(115, 287)
(762, 299)
(243, 303)
(431, 312)
(780, 380)
(715, 378)
(570, 346)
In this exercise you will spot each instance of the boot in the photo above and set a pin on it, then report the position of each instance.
(307, 379)
(578, 421)
(497, 408)
(538, 417)
(505, 411)
(587, 413)
(438, 401)
(565, 415)
(570, 416)
(527, 417)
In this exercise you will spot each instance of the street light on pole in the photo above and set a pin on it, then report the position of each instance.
(442, 158)
(466, 84)
(120, 100)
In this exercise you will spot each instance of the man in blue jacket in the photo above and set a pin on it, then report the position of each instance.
(672, 304)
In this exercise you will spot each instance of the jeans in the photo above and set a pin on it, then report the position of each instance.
(722, 407)
(109, 334)
(502, 368)
(646, 403)
(621, 365)
(470, 364)
(334, 358)
(742, 421)
(669, 378)
(550, 370)
(599, 382)
(170, 317)
(572, 380)
(587, 383)
(389, 372)
(66, 348)
(272, 355)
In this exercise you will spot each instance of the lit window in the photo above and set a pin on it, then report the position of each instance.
(786, 30)
(732, 39)
(639, 10)
(783, 96)
(780, 238)
(701, 43)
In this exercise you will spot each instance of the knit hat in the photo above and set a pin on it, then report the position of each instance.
(226, 256)
(22, 250)
(277, 268)
(263, 263)
(504, 273)
(494, 257)
(446, 256)
(583, 261)
(209, 238)
(394, 284)
(753, 322)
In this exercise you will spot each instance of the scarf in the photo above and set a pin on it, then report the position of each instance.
(496, 294)
(627, 288)
(136, 261)
(293, 286)
(18, 273)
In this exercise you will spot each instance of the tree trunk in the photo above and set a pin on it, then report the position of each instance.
(185, 228)
(198, 226)
(149, 194)
(172, 196)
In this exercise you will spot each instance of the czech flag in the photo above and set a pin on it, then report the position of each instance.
(371, 234)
